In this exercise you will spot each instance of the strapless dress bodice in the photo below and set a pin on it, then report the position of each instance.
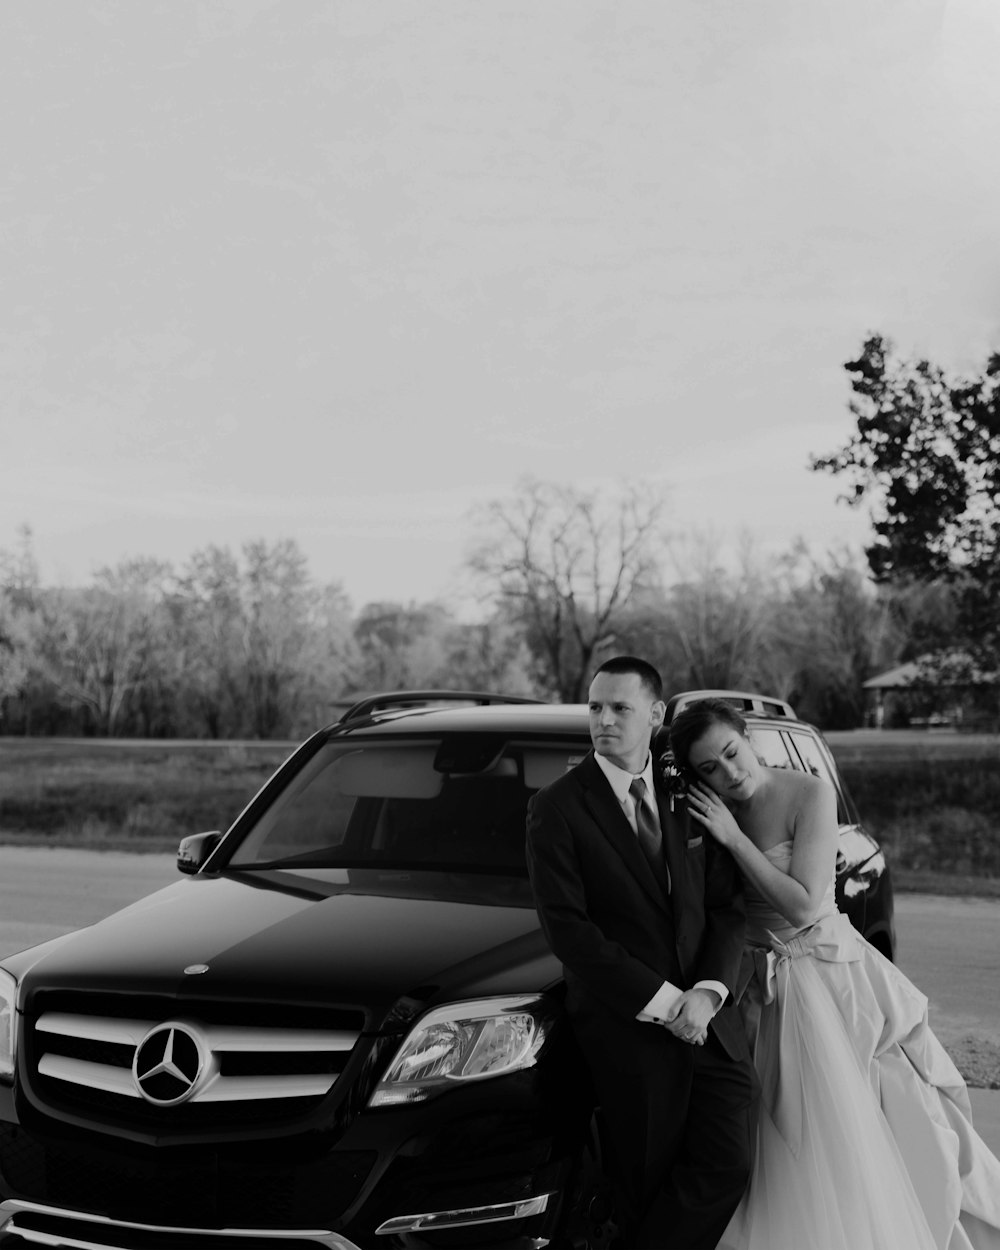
(762, 919)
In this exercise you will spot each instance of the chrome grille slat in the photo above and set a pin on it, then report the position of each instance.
(219, 1037)
(93, 1075)
(241, 1088)
(219, 1041)
(94, 1028)
(277, 1040)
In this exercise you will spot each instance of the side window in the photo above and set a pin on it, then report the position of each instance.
(770, 747)
(812, 757)
(817, 762)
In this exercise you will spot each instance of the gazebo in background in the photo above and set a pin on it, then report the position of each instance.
(945, 691)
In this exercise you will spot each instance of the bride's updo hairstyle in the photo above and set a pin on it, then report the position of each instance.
(696, 720)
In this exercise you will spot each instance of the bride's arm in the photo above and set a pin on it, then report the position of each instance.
(797, 894)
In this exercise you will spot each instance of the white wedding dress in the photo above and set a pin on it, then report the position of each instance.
(864, 1137)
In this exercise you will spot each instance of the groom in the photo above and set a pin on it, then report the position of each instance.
(647, 918)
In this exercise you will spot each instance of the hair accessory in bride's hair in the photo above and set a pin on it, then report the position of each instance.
(673, 778)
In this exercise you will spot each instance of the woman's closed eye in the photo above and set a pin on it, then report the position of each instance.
(706, 770)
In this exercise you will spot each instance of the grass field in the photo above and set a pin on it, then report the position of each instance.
(932, 799)
(126, 795)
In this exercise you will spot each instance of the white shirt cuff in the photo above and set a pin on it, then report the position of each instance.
(719, 988)
(655, 1011)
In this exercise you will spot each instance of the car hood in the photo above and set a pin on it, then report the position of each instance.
(357, 939)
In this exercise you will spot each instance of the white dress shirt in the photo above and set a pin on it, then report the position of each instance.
(666, 996)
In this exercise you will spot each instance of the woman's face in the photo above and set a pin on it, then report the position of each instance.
(723, 759)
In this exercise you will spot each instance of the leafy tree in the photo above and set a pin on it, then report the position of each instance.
(563, 564)
(926, 458)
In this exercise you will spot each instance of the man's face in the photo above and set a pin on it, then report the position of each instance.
(623, 714)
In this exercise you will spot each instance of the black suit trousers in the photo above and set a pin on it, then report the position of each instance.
(678, 1129)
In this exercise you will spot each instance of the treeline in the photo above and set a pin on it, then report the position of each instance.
(250, 645)
(243, 645)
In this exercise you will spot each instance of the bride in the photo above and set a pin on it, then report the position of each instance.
(864, 1135)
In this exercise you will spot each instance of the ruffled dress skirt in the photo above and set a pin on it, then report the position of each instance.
(864, 1138)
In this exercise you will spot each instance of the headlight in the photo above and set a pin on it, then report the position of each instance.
(464, 1042)
(8, 1003)
(865, 876)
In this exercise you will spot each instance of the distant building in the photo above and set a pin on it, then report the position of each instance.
(935, 691)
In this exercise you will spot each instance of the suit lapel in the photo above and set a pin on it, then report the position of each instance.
(613, 824)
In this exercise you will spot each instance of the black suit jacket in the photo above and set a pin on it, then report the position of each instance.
(605, 916)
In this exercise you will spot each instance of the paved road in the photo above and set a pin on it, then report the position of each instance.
(950, 947)
(45, 892)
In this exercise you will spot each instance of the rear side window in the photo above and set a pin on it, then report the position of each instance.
(773, 749)
(770, 747)
(818, 762)
(812, 756)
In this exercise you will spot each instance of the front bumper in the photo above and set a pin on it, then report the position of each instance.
(31, 1224)
(459, 1171)
(27, 1224)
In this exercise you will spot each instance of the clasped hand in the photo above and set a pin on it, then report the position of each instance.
(689, 1017)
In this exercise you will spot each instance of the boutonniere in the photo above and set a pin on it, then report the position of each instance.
(673, 780)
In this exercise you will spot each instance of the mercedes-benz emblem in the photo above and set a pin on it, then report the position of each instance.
(168, 1064)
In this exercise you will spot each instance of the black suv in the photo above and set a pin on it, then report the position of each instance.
(343, 1027)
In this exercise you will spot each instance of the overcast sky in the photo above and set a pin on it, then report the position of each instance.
(336, 271)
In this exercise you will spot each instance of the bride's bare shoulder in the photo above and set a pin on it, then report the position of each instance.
(804, 787)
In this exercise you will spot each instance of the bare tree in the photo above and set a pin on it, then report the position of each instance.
(208, 625)
(715, 627)
(423, 645)
(564, 563)
(96, 645)
(19, 596)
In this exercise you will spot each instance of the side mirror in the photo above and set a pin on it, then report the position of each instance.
(195, 850)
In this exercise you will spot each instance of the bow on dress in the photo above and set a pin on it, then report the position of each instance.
(779, 1046)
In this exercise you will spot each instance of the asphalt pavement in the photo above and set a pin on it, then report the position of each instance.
(950, 948)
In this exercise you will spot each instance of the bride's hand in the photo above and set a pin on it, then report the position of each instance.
(710, 811)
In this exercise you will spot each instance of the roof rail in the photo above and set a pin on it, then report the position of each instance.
(394, 700)
(742, 700)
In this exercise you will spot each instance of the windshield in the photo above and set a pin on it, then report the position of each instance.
(436, 803)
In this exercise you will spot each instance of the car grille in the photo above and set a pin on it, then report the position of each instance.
(194, 1187)
(181, 1068)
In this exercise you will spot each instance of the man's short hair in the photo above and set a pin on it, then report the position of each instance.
(647, 674)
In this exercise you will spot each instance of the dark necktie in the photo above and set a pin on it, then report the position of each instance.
(650, 837)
